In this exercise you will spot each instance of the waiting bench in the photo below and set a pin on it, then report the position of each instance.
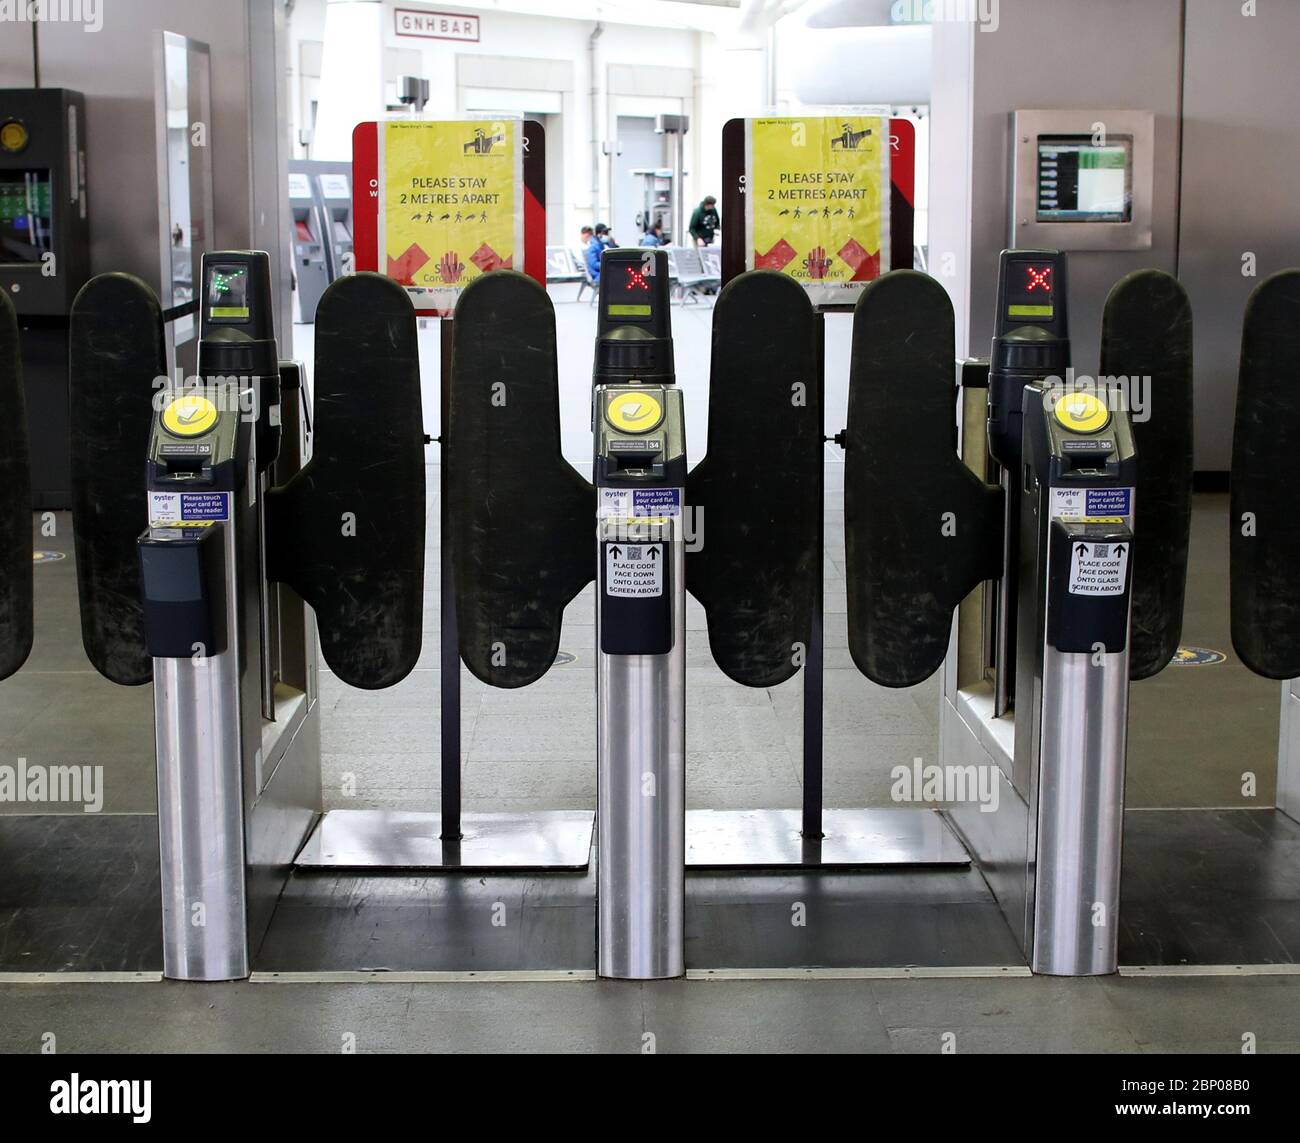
(691, 277)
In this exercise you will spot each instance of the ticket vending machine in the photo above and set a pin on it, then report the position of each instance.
(44, 260)
(310, 255)
(332, 183)
(656, 187)
(639, 474)
(44, 232)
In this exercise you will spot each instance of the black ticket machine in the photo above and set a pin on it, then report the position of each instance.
(1031, 342)
(640, 476)
(1072, 676)
(44, 261)
(206, 604)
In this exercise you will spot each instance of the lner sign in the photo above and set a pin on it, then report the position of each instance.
(436, 25)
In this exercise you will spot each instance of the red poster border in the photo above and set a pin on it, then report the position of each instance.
(365, 200)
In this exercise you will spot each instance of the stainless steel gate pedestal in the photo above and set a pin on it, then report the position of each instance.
(639, 470)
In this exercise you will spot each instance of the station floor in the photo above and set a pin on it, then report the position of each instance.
(1194, 733)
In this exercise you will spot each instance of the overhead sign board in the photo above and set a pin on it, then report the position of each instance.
(426, 25)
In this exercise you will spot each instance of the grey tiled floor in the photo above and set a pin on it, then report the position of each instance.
(1195, 731)
(908, 1016)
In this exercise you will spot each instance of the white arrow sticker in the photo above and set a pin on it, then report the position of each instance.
(634, 571)
(1098, 569)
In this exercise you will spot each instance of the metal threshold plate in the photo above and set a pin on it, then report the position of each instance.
(748, 839)
(398, 839)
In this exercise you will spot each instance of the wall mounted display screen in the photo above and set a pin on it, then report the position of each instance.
(1082, 181)
(25, 215)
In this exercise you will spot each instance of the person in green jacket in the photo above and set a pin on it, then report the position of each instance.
(705, 221)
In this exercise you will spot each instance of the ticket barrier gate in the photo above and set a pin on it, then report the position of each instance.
(924, 538)
(922, 531)
(1264, 534)
(1099, 550)
(639, 476)
(521, 537)
(1073, 667)
(260, 537)
(523, 552)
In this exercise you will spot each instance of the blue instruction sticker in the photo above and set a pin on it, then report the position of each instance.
(204, 506)
(172, 509)
(1110, 502)
(657, 502)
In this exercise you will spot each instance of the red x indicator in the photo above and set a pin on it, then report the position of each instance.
(1040, 278)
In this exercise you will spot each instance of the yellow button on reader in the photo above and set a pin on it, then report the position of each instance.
(13, 136)
(189, 416)
(634, 412)
(1082, 413)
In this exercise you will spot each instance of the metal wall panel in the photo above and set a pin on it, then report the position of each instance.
(1062, 54)
(1222, 78)
(1241, 167)
(114, 67)
(268, 152)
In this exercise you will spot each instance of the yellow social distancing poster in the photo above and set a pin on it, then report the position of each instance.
(817, 199)
(451, 204)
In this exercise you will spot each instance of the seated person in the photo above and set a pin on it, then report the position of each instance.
(600, 239)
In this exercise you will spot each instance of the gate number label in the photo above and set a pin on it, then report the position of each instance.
(1098, 569)
(634, 571)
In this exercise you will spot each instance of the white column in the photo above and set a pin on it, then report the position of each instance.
(352, 75)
